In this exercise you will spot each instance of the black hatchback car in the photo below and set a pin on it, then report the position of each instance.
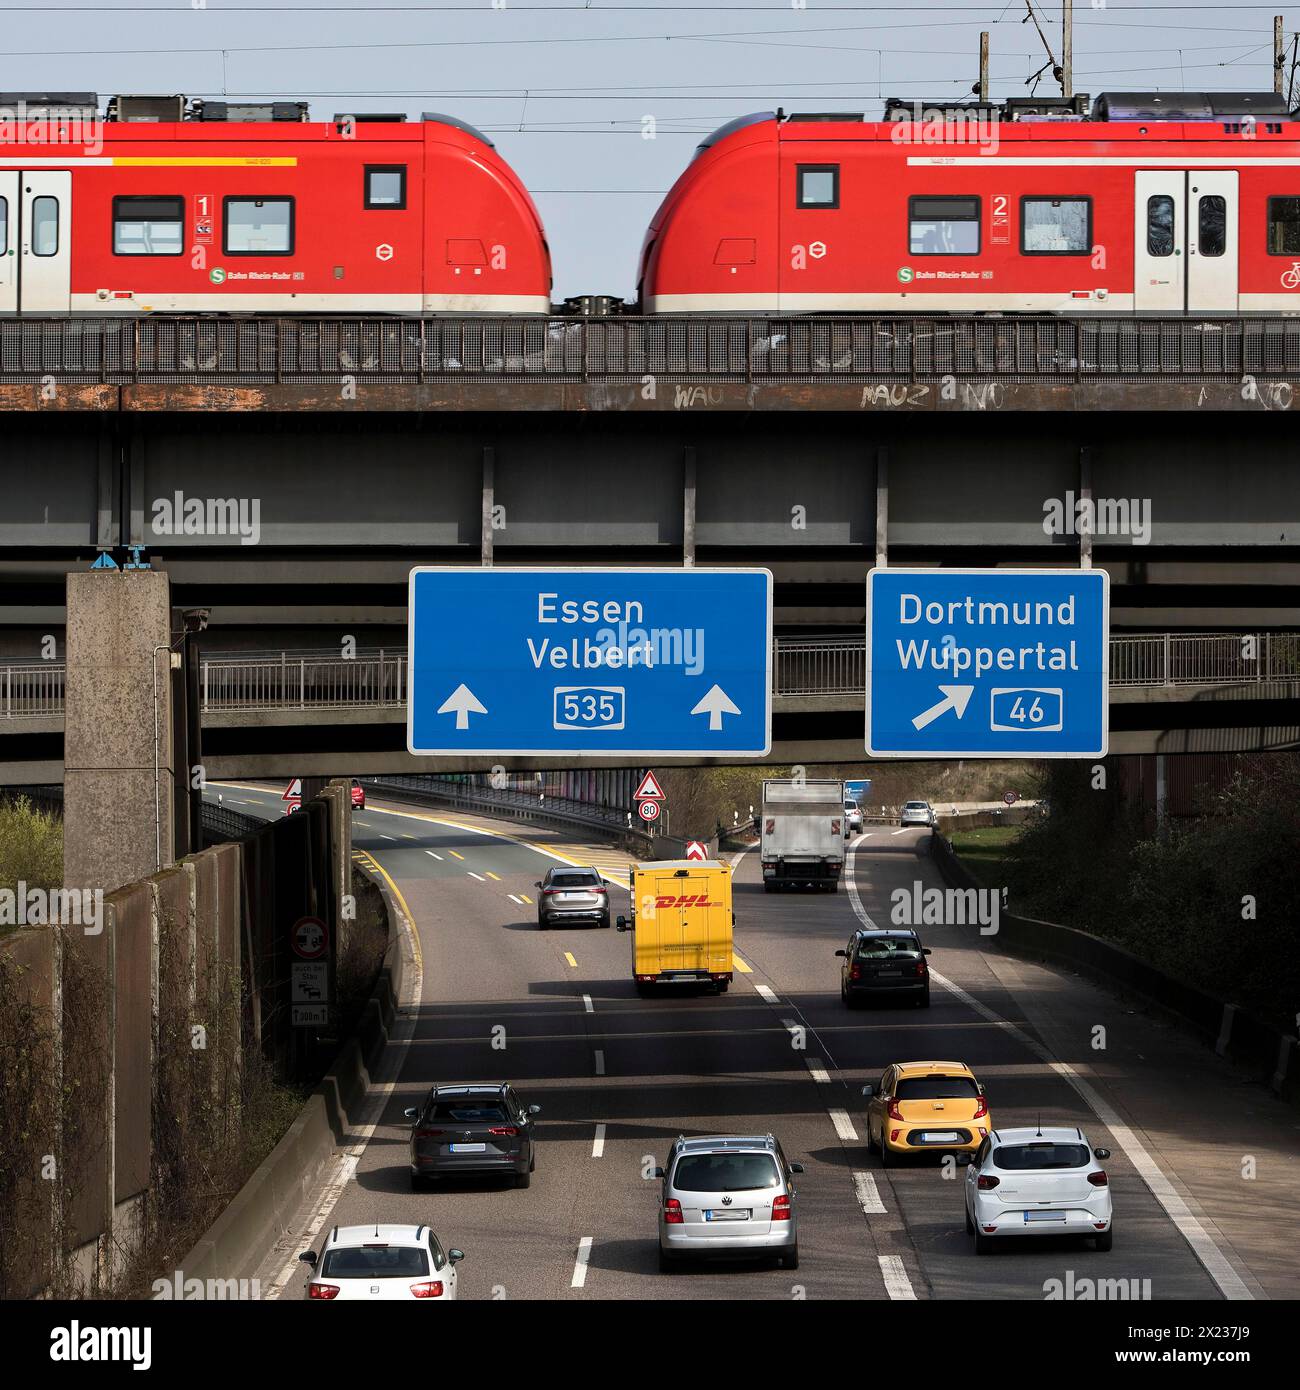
(884, 964)
(475, 1128)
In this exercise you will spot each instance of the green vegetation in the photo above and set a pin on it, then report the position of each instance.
(1214, 900)
(985, 851)
(31, 846)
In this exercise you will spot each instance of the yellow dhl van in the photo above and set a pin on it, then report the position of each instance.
(681, 924)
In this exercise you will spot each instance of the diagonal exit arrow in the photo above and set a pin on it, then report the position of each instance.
(462, 702)
(715, 704)
(955, 697)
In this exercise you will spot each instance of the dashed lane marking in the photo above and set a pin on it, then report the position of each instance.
(766, 993)
(472, 874)
(864, 1184)
(818, 1072)
(490, 874)
(526, 898)
(568, 955)
(438, 857)
(514, 899)
(455, 854)
(580, 1264)
(844, 1126)
(587, 1004)
(897, 1284)
(740, 964)
(598, 1143)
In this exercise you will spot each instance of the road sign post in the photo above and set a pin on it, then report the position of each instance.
(585, 663)
(987, 663)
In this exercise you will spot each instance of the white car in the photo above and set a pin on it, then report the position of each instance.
(1037, 1182)
(852, 818)
(381, 1262)
(917, 813)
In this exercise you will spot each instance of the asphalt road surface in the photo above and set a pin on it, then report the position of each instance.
(1203, 1162)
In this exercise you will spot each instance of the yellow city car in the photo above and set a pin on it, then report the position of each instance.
(918, 1106)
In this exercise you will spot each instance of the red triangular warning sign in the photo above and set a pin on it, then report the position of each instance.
(293, 791)
(649, 790)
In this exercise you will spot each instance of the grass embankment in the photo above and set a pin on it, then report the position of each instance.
(985, 852)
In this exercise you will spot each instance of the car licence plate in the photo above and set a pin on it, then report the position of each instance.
(883, 973)
(725, 1215)
(468, 1148)
(1044, 1216)
(940, 1136)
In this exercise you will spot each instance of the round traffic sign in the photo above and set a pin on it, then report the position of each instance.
(1010, 798)
(310, 938)
(648, 810)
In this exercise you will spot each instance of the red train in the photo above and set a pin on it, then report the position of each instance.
(1174, 203)
(184, 207)
(1168, 203)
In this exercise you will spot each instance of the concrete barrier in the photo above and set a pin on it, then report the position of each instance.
(240, 1239)
(1233, 1032)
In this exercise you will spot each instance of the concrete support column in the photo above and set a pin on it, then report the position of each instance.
(688, 507)
(118, 748)
(489, 502)
(1085, 496)
(882, 507)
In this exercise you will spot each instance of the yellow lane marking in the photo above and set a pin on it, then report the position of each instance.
(568, 955)
(740, 964)
(410, 916)
(525, 897)
(405, 836)
(458, 856)
(490, 874)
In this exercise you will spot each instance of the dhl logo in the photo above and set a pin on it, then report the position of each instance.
(689, 900)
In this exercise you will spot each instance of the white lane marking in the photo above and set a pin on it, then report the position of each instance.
(1204, 1247)
(513, 899)
(580, 1264)
(819, 1073)
(387, 837)
(897, 1284)
(868, 1194)
(435, 856)
(598, 1143)
(899, 832)
(789, 1024)
(472, 874)
(587, 1004)
(844, 1126)
(600, 1063)
(767, 994)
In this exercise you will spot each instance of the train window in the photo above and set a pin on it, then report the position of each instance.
(818, 186)
(1160, 225)
(258, 227)
(4, 226)
(1284, 226)
(385, 186)
(943, 226)
(148, 226)
(1055, 226)
(45, 226)
(1213, 218)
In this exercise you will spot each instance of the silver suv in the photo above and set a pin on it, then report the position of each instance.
(728, 1196)
(918, 813)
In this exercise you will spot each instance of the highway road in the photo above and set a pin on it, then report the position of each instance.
(1203, 1163)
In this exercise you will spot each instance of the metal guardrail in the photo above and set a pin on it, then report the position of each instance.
(376, 677)
(880, 348)
(220, 824)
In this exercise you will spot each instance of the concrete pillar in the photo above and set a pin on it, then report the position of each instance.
(117, 743)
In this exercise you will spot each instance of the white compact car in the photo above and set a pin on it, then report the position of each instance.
(381, 1263)
(917, 813)
(1037, 1182)
(852, 818)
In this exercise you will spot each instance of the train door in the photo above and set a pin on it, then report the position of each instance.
(8, 238)
(1185, 241)
(44, 242)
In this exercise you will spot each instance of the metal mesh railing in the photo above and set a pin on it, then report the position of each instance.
(377, 677)
(885, 348)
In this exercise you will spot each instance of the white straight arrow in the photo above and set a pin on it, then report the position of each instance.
(462, 702)
(955, 697)
(715, 704)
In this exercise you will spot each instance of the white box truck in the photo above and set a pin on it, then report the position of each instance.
(802, 834)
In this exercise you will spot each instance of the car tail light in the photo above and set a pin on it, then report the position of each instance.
(505, 1131)
(428, 1133)
(1099, 1225)
(920, 967)
(430, 1288)
(986, 1182)
(894, 1112)
(1098, 1179)
(855, 973)
(322, 1290)
(673, 1212)
(981, 1108)
(781, 1208)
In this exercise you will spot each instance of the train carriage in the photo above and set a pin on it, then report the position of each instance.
(210, 213)
(1168, 204)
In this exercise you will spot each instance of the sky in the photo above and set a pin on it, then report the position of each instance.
(599, 106)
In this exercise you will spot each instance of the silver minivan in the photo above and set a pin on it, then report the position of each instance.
(728, 1196)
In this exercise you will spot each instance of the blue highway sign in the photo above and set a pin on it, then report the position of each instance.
(987, 663)
(590, 662)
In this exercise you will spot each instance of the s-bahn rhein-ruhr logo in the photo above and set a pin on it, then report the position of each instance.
(217, 275)
(906, 274)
